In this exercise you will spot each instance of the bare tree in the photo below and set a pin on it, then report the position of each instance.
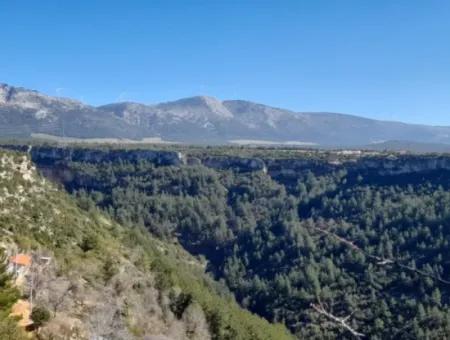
(339, 321)
(60, 290)
(46, 288)
(39, 275)
(106, 322)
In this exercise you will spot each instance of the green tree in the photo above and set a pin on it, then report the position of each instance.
(8, 296)
(40, 316)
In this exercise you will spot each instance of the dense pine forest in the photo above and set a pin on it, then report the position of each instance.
(68, 271)
(332, 249)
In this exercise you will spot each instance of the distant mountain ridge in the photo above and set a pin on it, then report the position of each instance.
(203, 120)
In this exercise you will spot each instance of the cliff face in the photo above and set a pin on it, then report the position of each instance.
(278, 168)
(287, 169)
(44, 155)
(405, 165)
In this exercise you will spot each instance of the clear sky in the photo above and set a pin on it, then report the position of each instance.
(384, 59)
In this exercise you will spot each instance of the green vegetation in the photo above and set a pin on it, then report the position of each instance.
(40, 315)
(333, 254)
(134, 275)
(8, 296)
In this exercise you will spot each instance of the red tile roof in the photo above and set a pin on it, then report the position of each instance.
(21, 259)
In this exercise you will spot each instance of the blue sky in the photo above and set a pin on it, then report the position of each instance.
(384, 59)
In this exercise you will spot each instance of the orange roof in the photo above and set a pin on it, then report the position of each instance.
(21, 259)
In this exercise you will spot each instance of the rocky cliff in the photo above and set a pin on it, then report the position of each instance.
(384, 164)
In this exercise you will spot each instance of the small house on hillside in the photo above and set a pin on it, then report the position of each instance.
(21, 260)
(19, 266)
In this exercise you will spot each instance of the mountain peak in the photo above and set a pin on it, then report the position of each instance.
(195, 100)
(198, 105)
(31, 99)
(7, 92)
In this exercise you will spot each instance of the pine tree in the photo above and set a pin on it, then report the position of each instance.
(8, 293)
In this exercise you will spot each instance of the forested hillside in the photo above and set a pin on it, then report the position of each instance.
(67, 271)
(331, 251)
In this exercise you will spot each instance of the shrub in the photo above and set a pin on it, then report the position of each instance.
(179, 303)
(40, 316)
(89, 242)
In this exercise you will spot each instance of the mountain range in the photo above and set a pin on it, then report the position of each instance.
(200, 120)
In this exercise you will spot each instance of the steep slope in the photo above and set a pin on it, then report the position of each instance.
(100, 280)
(202, 120)
(333, 244)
